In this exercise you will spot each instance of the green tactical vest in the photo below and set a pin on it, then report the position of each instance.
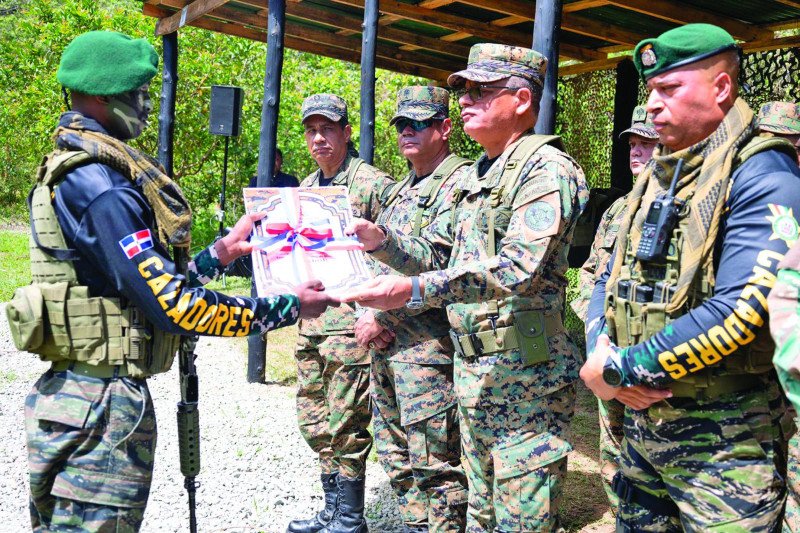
(637, 309)
(530, 328)
(56, 318)
(428, 194)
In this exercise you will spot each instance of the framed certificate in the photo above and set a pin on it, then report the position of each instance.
(302, 238)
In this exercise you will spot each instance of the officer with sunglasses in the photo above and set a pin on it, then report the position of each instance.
(502, 283)
(414, 404)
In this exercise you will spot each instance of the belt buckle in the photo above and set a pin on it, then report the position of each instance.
(456, 343)
(477, 345)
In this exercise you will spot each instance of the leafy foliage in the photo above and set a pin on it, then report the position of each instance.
(35, 34)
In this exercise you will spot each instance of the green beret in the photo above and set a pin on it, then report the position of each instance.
(103, 63)
(680, 46)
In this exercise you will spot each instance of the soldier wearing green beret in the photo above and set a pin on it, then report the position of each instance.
(642, 139)
(107, 306)
(781, 119)
(333, 404)
(414, 404)
(496, 260)
(676, 327)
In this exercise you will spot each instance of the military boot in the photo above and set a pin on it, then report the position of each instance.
(349, 517)
(322, 518)
(415, 528)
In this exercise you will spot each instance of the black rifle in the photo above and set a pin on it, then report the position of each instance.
(188, 415)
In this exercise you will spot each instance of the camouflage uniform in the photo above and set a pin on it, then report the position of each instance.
(414, 404)
(712, 455)
(783, 118)
(89, 420)
(611, 413)
(515, 396)
(333, 408)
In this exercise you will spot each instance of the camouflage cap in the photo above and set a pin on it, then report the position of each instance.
(641, 124)
(492, 62)
(328, 105)
(779, 117)
(421, 103)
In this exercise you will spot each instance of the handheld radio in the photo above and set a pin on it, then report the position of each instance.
(659, 223)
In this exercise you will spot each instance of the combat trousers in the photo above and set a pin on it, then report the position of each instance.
(706, 465)
(91, 443)
(515, 457)
(417, 439)
(333, 403)
(791, 520)
(612, 415)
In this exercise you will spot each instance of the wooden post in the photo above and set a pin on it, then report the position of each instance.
(626, 96)
(546, 33)
(256, 344)
(166, 113)
(369, 39)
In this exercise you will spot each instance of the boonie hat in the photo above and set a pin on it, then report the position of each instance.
(421, 103)
(641, 124)
(492, 62)
(779, 117)
(680, 46)
(106, 63)
(328, 105)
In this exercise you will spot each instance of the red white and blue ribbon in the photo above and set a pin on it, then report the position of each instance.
(315, 237)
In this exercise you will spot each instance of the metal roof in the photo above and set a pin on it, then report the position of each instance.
(431, 38)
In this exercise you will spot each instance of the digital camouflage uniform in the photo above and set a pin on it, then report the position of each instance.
(783, 118)
(89, 420)
(516, 394)
(333, 405)
(612, 412)
(712, 456)
(414, 404)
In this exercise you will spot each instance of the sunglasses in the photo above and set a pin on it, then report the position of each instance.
(416, 125)
(476, 92)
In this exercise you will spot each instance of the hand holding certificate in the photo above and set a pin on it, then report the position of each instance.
(301, 238)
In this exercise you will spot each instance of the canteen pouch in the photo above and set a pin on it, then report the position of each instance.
(531, 337)
(25, 315)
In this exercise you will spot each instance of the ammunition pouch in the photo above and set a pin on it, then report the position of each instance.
(60, 322)
(529, 333)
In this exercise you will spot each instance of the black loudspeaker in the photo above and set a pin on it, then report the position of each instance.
(226, 110)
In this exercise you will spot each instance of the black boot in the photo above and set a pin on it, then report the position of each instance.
(415, 528)
(321, 519)
(349, 517)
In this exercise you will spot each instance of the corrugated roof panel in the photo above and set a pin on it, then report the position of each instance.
(628, 20)
(471, 12)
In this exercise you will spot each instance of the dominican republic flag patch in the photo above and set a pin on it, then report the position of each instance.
(136, 243)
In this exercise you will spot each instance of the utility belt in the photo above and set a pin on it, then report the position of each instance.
(101, 370)
(704, 385)
(529, 333)
(60, 322)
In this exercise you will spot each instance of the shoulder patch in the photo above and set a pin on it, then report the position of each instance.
(540, 216)
(784, 224)
(136, 243)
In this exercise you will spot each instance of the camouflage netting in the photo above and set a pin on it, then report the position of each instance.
(586, 120)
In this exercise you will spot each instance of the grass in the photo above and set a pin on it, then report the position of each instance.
(13, 262)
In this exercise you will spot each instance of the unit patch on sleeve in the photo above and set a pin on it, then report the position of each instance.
(136, 243)
(784, 224)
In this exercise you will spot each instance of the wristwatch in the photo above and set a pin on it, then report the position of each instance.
(612, 374)
(416, 295)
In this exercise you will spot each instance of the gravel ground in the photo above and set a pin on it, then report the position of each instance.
(257, 472)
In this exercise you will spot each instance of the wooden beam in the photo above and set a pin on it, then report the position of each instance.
(191, 12)
(303, 45)
(790, 3)
(683, 13)
(466, 27)
(582, 68)
(772, 44)
(573, 23)
(580, 5)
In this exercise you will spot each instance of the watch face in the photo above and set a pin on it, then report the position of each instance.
(612, 376)
(414, 304)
